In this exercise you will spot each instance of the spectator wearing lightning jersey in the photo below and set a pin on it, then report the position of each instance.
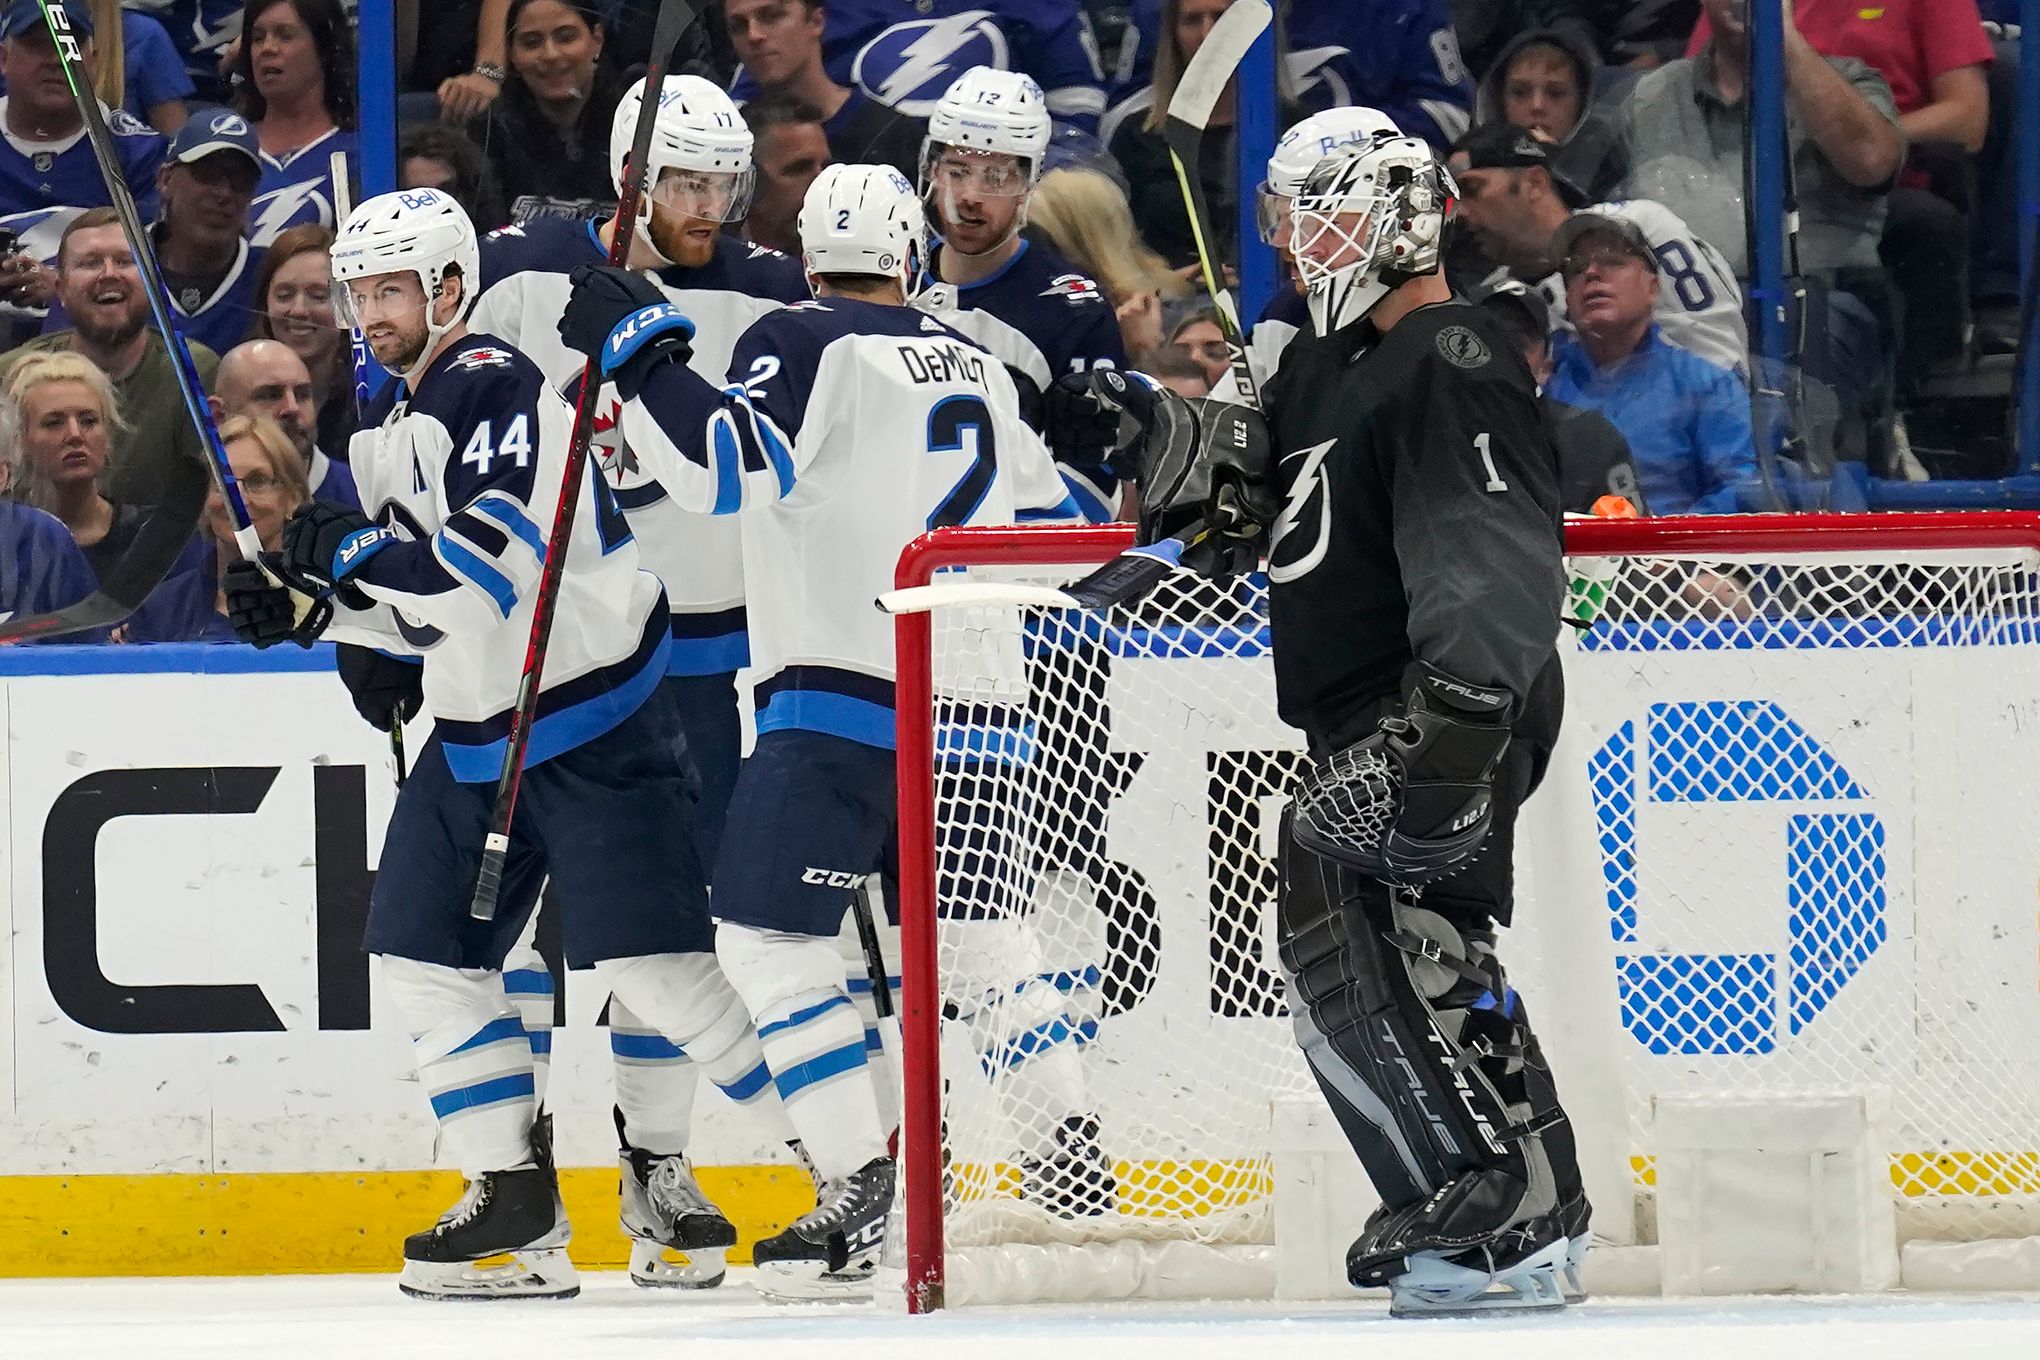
(1026, 304)
(906, 53)
(294, 79)
(1515, 201)
(45, 159)
(851, 424)
(700, 180)
(779, 43)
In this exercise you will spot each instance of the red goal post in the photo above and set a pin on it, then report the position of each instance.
(1674, 596)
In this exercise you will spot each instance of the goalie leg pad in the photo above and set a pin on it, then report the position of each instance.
(1411, 1027)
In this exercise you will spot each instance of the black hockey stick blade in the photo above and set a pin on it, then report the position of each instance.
(675, 18)
(162, 538)
(1197, 94)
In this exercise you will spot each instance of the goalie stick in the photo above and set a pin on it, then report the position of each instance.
(1137, 571)
(176, 516)
(675, 17)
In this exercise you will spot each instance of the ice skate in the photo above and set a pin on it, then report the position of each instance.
(831, 1252)
(505, 1239)
(1074, 1181)
(679, 1239)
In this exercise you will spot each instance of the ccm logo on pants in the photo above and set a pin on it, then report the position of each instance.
(831, 878)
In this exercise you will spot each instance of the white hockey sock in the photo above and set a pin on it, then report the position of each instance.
(473, 1060)
(686, 998)
(1027, 1029)
(655, 1083)
(813, 1041)
(529, 985)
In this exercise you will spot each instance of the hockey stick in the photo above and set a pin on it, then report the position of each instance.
(675, 17)
(874, 967)
(1133, 574)
(166, 531)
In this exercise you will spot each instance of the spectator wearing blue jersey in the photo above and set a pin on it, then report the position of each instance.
(293, 78)
(155, 88)
(779, 43)
(45, 161)
(200, 237)
(1687, 421)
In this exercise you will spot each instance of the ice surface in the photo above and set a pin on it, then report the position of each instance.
(364, 1318)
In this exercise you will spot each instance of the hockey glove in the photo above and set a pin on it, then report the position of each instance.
(625, 323)
(1100, 416)
(387, 690)
(324, 546)
(1411, 802)
(264, 613)
(1207, 479)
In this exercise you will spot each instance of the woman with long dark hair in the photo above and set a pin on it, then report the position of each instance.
(548, 136)
(294, 80)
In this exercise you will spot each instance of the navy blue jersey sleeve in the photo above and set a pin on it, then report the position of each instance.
(1053, 42)
(722, 452)
(155, 73)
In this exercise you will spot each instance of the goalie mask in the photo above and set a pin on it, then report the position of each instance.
(1367, 220)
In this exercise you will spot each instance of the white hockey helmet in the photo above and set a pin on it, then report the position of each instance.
(699, 135)
(863, 219)
(422, 232)
(992, 113)
(1302, 147)
(1369, 218)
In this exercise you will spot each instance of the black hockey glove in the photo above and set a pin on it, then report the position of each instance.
(625, 323)
(264, 613)
(1100, 416)
(324, 546)
(1208, 479)
(386, 689)
(1410, 803)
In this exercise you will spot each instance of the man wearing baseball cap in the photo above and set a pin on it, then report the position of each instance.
(1514, 198)
(208, 184)
(45, 162)
(1687, 420)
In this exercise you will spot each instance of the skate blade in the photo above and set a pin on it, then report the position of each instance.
(654, 1265)
(1433, 1287)
(814, 1282)
(1572, 1278)
(527, 1274)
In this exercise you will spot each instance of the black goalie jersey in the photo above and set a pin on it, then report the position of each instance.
(1421, 521)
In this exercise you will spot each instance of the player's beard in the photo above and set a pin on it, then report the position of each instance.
(398, 348)
(685, 241)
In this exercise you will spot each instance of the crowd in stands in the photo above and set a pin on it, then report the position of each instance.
(1598, 147)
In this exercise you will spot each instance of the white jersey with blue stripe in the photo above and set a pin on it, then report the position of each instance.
(524, 291)
(847, 430)
(466, 469)
(296, 188)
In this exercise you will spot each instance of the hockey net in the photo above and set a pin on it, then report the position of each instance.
(1786, 845)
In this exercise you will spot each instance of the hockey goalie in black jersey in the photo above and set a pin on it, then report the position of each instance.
(1415, 580)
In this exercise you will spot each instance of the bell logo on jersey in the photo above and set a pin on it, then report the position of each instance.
(912, 65)
(1291, 556)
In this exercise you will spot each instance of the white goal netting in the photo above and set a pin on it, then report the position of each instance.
(1787, 843)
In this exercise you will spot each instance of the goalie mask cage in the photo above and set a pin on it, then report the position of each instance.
(1786, 844)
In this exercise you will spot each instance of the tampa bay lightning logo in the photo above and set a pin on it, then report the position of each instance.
(1303, 531)
(912, 65)
(228, 125)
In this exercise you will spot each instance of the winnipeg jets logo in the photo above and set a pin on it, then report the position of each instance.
(1292, 561)
(1075, 287)
(484, 357)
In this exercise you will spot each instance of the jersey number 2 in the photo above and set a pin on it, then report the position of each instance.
(963, 425)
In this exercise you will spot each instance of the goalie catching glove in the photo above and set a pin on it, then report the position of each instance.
(1411, 802)
(1204, 468)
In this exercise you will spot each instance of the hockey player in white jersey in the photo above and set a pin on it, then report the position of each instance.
(697, 178)
(461, 462)
(850, 425)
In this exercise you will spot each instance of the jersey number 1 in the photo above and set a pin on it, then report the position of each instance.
(963, 425)
(1487, 460)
